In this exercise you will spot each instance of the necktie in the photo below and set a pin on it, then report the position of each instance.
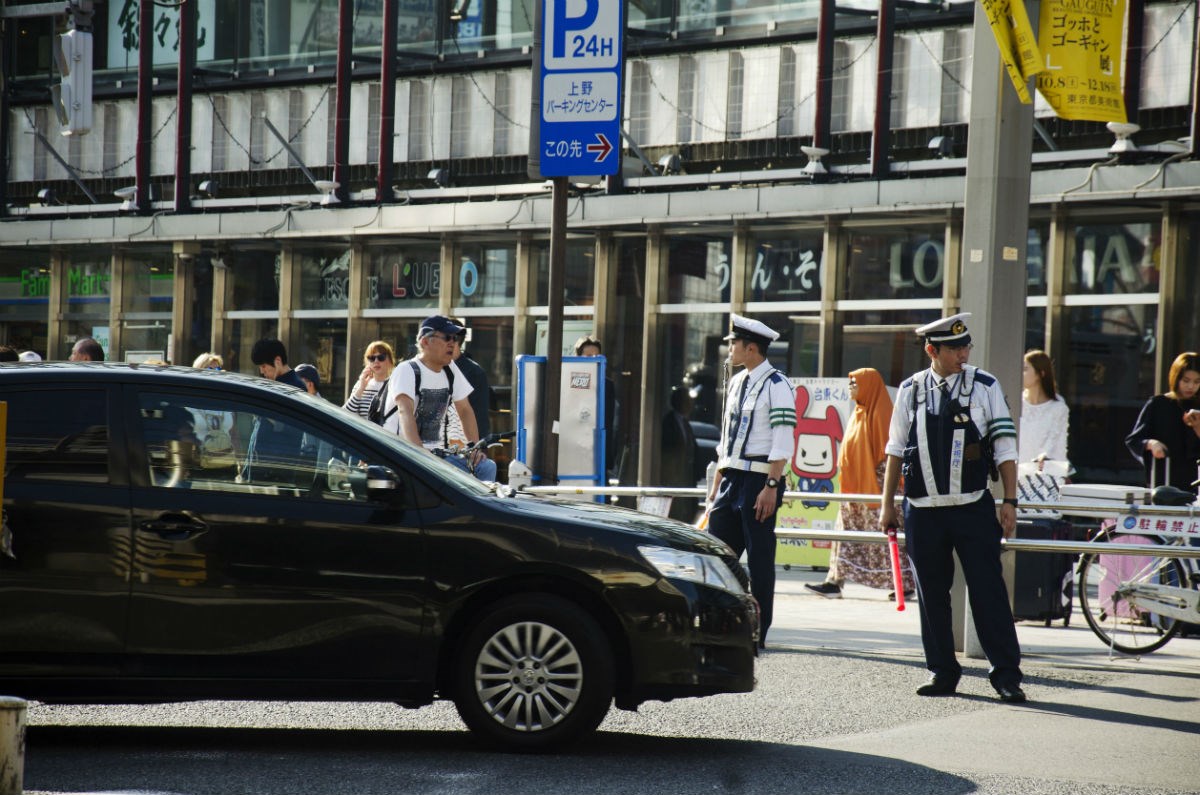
(736, 416)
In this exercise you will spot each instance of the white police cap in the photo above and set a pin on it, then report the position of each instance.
(947, 331)
(30, 356)
(747, 329)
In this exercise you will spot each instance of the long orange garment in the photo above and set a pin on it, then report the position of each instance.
(867, 434)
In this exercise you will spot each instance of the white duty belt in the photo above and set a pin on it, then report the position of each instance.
(734, 459)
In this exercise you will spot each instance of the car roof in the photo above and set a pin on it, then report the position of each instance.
(126, 372)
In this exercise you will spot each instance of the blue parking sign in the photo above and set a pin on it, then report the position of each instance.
(578, 61)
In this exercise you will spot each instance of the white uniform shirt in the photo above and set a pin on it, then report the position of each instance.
(774, 440)
(988, 410)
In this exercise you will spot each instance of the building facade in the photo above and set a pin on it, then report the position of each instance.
(233, 232)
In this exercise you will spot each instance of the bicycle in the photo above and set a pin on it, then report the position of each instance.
(1137, 603)
(464, 457)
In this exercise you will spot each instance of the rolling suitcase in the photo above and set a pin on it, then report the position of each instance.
(1043, 582)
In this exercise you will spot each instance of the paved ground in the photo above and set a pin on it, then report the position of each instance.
(1150, 703)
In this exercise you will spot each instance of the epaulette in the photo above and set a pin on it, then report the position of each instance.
(985, 378)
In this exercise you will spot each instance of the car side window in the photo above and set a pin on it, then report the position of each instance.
(58, 435)
(220, 445)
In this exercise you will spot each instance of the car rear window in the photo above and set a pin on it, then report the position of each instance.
(58, 435)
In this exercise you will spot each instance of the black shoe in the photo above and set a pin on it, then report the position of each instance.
(1011, 694)
(938, 686)
(908, 595)
(826, 589)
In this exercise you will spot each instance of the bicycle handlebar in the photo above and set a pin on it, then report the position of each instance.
(480, 444)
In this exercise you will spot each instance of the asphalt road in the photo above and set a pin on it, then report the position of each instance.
(834, 712)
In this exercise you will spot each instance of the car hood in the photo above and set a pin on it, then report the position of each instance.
(559, 513)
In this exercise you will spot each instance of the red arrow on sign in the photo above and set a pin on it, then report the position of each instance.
(604, 147)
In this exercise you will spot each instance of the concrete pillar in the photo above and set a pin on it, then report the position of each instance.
(995, 227)
(12, 745)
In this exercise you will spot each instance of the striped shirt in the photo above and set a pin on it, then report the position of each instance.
(361, 404)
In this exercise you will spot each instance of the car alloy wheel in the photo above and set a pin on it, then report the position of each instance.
(534, 673)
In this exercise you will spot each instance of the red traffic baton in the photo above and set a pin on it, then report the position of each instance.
(897, 577)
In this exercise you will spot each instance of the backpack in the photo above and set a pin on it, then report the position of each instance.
(376, 412)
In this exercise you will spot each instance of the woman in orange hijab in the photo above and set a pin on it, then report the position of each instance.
(860, 471)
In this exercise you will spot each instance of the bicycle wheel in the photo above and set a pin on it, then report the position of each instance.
(1108, 597)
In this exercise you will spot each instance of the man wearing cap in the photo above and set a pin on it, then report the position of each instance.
(950, 429)
(757, 440)
(425, 386)
(311, 377)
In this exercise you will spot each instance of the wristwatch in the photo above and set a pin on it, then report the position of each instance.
(1010, 501)
(772, 483)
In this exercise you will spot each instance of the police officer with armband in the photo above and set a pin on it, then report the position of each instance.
(757, 439)
(950, 428)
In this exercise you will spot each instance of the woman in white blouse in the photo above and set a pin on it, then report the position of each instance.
(1044, 414)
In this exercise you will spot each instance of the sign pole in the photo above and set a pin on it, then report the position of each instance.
(548, 467)
(574, 132)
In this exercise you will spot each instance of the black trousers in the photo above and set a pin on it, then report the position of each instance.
(732, 520)
(973, 532)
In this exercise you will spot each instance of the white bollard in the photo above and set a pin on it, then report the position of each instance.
(12, 745)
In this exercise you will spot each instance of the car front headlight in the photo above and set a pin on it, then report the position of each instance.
(692, 566)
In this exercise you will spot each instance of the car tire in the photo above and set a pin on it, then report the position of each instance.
(534, 673)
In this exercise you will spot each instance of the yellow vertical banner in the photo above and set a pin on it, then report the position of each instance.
(1018, 46)
(1083, 43)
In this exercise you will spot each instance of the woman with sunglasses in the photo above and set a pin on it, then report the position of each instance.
(378, 363)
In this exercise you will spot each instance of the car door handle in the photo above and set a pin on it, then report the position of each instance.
(174, 526)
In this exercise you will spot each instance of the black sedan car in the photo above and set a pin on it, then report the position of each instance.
(172, 534)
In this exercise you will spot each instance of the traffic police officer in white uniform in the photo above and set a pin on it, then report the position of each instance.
(950, 428)
(757, 439)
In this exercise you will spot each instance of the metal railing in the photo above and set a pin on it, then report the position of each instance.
(1096, 509)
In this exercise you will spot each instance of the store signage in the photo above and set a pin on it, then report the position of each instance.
(82, 282)
(123, 24)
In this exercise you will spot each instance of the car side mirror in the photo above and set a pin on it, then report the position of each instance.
(383, 484)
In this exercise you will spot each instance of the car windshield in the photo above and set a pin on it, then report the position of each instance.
(418, 458)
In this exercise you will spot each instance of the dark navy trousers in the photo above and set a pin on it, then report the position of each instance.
(732, 520)
(973, 531)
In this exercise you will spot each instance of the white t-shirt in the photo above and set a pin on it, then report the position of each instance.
(433, 401)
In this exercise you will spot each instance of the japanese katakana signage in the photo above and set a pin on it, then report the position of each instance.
(578, 59)
(1082, 42)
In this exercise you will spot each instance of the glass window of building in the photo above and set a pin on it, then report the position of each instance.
(795, 353)
(884, 340)
(1107, 371)
(404, 275)
(486, 279)
(694, 355)
(786, 267)
(1037, 250)
(487, 275)
(89, 284)
(1106, 374)
(1113, 258)
(25, 300)
(698, 269)
(149, 276)
(324, 277)
(320, 337)
(322, 343)
(579, 276)
(895, 264)
(251, 301)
